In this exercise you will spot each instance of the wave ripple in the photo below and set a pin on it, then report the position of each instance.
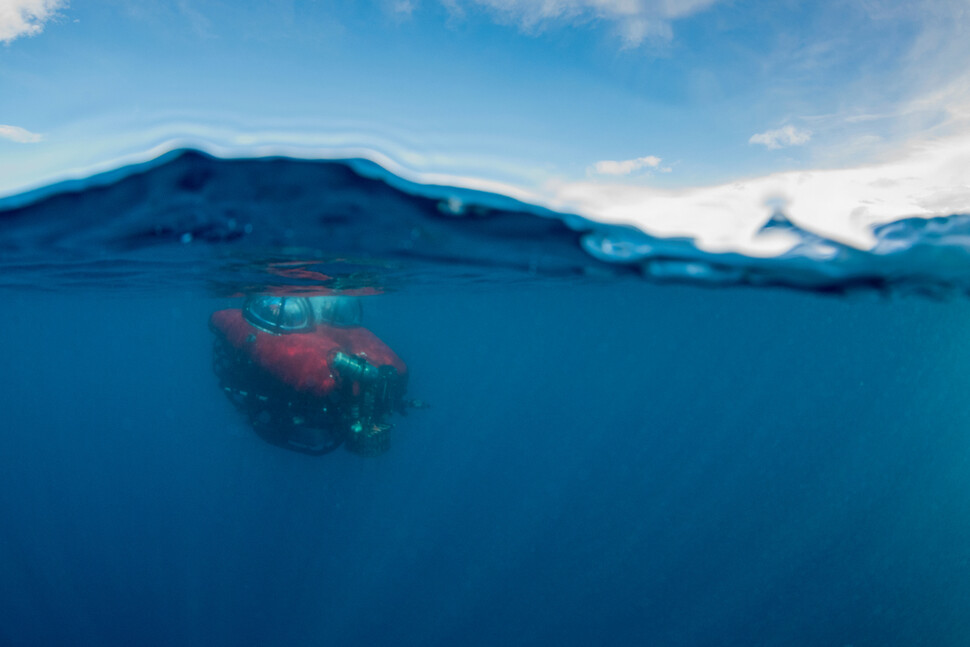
(234, 225)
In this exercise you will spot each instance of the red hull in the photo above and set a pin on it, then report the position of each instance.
(302, 361)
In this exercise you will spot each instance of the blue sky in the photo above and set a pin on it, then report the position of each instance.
(650, 95)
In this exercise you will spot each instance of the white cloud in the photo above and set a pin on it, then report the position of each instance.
(636, 20)
(19, 135)
(781, 137)
(625, 167)
(25, 17)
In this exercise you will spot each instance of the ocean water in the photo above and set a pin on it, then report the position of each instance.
(630, 441)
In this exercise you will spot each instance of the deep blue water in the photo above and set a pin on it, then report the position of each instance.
(606, 459)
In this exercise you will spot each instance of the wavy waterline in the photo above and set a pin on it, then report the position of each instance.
(192, 205)
(922, 179)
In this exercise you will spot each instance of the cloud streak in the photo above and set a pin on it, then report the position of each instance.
(908, 78)
(25, 17)
(636, 21)
(625, 167)
(781, 137)
(19, 135)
